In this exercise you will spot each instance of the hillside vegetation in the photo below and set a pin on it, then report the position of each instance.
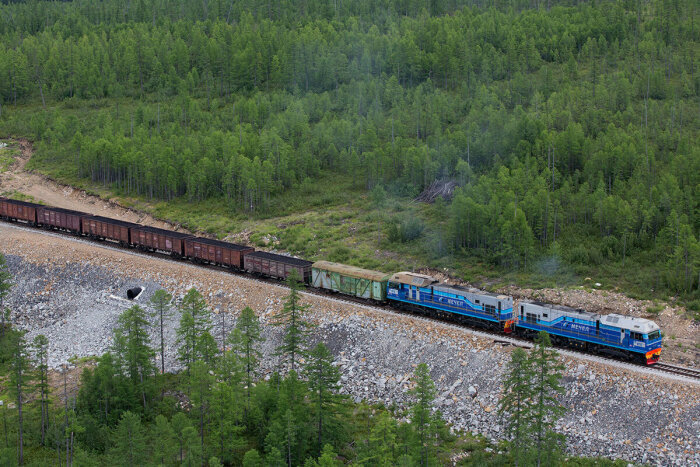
(571, 128)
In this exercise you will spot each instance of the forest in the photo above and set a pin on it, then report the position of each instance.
(217, 407)
(570, 127)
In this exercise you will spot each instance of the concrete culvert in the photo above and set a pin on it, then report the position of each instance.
(133, 293)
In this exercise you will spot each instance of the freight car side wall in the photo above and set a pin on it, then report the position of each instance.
(277, 269)
(216, 253)
(18, 210)
(60, 219)
(104, 229)
(158, 240)
(358, 286)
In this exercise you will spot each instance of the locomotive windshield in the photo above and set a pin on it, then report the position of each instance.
(654, 335)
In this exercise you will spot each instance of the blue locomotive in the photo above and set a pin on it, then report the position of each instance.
(623, 336)
(634, 338)
(418, 292)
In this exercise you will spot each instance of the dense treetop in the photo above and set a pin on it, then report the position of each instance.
(571, 127)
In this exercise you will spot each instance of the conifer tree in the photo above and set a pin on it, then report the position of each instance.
(225, 413)
(296, 329)
(160, 302)
(194, 333)
(515, 402)
(252, 458)
(382, 441)
(544, 409)
(41, 355)
(245, 341)
(129, 441)
(421, 411)
(179, 423)
(5, 286)
(200, 394)
(193, 448)
(323, 379)
(133, 352)
(20, 380)
(274, 458)
(328, 457)
(164, 447)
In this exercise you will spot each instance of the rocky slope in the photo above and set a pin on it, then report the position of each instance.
(73, 291)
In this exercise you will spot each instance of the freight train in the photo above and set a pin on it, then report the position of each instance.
(624, 337)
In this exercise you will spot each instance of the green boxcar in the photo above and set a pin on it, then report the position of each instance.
(349, 280)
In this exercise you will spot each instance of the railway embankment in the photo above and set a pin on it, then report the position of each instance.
(73, 291)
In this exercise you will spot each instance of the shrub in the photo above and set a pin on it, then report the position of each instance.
(406, 230)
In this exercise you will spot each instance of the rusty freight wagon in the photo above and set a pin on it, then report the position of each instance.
(108, 229)
(350, 280)
(153, 238)
(59, 218)
(277, 266)
(18, 210)
(216, 251)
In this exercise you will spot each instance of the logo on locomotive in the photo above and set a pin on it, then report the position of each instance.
(579, 327)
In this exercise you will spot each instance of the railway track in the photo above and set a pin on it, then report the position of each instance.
(678, 370)
(689, 374)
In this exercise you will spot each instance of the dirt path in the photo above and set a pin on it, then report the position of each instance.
(47, 191)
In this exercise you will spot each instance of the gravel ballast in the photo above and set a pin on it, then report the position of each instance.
(73, 291)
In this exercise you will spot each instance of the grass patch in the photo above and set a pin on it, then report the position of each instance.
(8, 152)
(14, 194)
(655, 309)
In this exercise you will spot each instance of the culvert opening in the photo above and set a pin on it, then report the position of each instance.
(131, 294)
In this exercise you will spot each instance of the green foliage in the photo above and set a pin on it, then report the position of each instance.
(193, 335)
(19, 384)
(566, 125)
(132, 348)
(40, 346)
(160, 303)
(245, 341)
(428, 426)
(129, 441)
(5, 286)
(406, 230)
(530, 406)
(296, 329)
(516, 398)
(252, 458)
(163, 441)
(324, 382)
(545, 409)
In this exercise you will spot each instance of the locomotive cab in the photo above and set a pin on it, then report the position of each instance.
(640, 337)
